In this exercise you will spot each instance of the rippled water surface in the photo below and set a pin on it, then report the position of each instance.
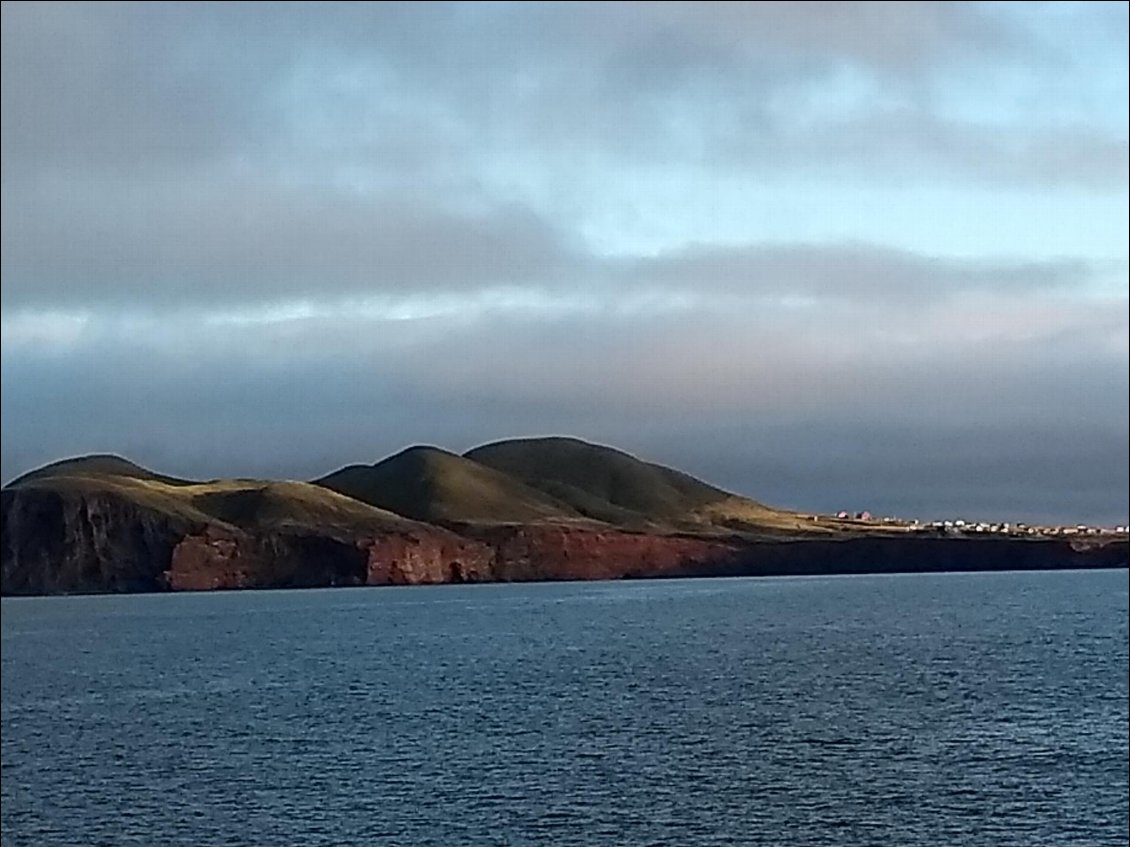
(915, 710)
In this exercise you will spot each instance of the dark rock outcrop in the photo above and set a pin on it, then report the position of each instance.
(62, 542)
(222, 559)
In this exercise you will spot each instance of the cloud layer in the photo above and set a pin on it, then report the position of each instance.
(819, 253)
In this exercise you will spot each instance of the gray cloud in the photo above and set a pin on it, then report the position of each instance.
(274, 240)
(774, 408)
(130, 86)
(215, 240)
(895, 35)
(848, 272)
(231, 241)
(237, 153)
(133, 86)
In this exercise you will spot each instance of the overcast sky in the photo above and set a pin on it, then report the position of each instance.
(827, 255)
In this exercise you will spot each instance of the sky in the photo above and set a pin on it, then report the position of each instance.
(827, 255)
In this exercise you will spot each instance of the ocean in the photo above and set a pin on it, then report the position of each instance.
(895, 710)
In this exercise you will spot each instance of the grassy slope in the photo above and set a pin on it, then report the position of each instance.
(558, 480)
(613, 486)
(99, 465)
(430, 484)
(249, 504)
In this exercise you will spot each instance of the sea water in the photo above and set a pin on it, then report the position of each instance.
(894, 710)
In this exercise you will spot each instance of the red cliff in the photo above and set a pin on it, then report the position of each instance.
(561, 552)
(74, 542)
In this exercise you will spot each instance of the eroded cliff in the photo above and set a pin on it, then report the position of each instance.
(66, 542)
(111, 526)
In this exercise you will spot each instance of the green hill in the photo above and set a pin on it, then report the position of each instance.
(95, 465)
(598, 477)
(247, 504)
(533, 480)
(429, 484)
(291, 505)
(613, 486)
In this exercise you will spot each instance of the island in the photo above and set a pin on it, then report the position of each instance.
(516, 510)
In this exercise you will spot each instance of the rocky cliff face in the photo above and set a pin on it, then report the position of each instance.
(69, 543)
(546, 552)
(221, 558)
(54, 542)
(427, 559)
(57, 543)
